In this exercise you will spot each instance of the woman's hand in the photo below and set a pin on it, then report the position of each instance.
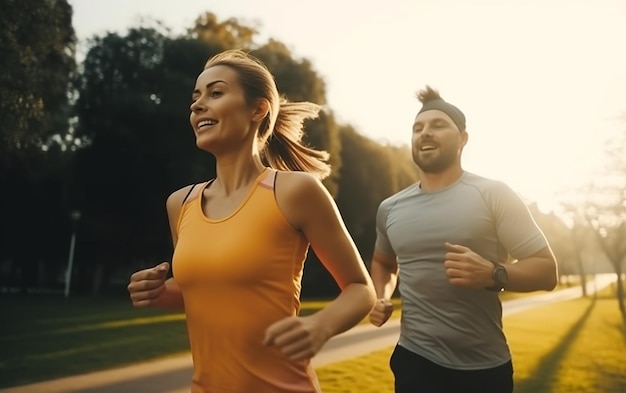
(146, 286)
(298, 338)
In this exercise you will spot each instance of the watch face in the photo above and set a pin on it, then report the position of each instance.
(501, 276)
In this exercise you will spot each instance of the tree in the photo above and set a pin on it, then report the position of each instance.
(568, 242)
(605, 211)
(37, 43)
(132, 107)
(143, 149)
(228, 34)
(36, 66)
(370, 172)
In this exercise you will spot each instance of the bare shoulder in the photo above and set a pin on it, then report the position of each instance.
(175, 200)
(174, 205)
(177, 197)
(297, 184)
(300, 194)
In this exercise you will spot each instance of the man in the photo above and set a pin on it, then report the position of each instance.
(446, 239)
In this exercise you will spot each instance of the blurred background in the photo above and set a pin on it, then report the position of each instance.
(94, 104)
(94, 135)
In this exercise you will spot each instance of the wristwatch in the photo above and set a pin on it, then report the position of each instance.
(500, 277)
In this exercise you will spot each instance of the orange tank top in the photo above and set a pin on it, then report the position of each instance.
(238, 275)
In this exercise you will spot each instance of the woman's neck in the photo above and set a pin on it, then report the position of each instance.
(236, 172)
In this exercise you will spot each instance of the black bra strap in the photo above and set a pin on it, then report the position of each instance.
(188, 193)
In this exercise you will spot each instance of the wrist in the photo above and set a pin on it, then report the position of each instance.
(499, 277)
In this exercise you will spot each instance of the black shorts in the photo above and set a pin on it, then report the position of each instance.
(415, 374)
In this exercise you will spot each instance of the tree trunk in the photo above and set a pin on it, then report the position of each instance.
(579, 260)
(620, 295)
(98, 279)
(582, 275)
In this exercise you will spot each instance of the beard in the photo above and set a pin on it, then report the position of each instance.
(437, 163)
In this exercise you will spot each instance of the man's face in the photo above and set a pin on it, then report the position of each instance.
(437, 142)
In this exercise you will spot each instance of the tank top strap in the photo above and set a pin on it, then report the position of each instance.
(269, 180)
(195, 190)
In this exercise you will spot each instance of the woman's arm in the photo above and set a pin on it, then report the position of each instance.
(308, 206)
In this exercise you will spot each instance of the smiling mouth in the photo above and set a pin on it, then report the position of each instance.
(206, 123)
(428, 148)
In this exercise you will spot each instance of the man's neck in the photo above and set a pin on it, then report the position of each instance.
(438, 181)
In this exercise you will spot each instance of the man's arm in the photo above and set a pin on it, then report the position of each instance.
(517, 231)
(384, 272)
(466, 268)
(534, 273)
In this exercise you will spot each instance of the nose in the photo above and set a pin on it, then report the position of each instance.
(197, 106)
(427, 131)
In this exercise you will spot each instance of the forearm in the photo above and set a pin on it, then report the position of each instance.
(171, 298)
(349, 308)
(532, 274)
(385, 279)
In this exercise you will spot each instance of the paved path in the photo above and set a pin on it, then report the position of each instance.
(172, 375)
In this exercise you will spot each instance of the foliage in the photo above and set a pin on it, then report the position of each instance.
(135, 147)
(36, 66)
(224, 35)
(143, 148)
(371, 173)
(37, 43)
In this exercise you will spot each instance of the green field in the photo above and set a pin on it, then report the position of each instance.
(48, 337)
(575, 346)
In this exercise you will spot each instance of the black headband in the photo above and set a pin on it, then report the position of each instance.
(439, 104)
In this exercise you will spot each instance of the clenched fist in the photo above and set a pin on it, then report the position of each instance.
(147, 285)
(381, 312)
(297, 338)
(465, 268)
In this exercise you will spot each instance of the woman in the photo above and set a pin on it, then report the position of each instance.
(240, 240)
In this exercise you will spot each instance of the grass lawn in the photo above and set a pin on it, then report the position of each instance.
(574, 346)
(44, 337)
(49, 337)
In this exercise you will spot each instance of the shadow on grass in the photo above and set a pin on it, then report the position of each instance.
(622, 328)
(616, 383)
(548, 365)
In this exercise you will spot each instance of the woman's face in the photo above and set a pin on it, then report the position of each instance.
(220, 115)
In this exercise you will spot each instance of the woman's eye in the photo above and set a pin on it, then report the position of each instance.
(216, 93)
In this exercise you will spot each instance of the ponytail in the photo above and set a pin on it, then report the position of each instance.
(280, 133)
(284, 149)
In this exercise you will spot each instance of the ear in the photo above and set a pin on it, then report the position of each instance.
(464, 138)
(260, 110)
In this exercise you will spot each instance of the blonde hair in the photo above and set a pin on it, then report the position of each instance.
(281, 131)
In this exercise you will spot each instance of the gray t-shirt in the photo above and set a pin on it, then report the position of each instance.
(455, 327)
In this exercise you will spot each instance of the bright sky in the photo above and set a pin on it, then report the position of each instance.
(542, 83)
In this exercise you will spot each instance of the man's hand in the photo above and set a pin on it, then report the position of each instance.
(147, 285)
(298, 338)
(381, 312)
(465, 268)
